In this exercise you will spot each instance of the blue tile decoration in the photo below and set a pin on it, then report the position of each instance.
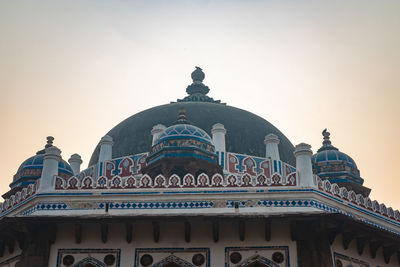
(203, 204)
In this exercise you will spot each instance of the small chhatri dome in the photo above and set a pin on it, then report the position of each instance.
(182, 129)
(31, 169)
(184, 147)
(336, 166)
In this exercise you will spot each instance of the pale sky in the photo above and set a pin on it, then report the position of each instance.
(75, 69)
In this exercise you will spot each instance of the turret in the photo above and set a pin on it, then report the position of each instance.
(51, 159)
(75, 161)
(271, 142)
(106, 144)
(218, 136)
(303, 155)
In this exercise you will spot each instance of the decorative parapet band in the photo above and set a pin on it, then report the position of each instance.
(19, 197)
(174, 181)
(357, 200)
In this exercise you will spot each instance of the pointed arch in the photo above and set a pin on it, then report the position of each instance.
(172, 261)
(258, 261)
(89, 262)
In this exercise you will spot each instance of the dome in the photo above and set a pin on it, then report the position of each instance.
(184, 131)
(334, 155)
(184, 148)
(336, 166)
(183, 140)
(336, 158)
(245, 130)
(31, 169)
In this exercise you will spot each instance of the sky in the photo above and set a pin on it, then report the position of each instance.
(75, 69)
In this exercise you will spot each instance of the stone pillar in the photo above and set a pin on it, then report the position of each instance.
(75, 161)
(156, 131)
(218, 135)
(303, 155)
(106, 144)
(271, 142)
(51, 159)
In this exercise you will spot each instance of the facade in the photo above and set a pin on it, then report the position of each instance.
(195, 183)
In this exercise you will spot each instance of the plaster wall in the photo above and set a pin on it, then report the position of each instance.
(172, 236)
(356, 260)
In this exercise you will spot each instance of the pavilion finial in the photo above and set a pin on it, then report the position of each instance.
(326, 135)
(326, 144)
(182, 117)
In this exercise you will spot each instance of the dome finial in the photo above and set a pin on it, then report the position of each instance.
(198, 75)
(50, 140)
(182, 114)
(197, 87)
(197, 91)
(182, 117)
(326, 134)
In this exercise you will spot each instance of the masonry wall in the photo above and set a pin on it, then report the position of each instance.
(172, 242)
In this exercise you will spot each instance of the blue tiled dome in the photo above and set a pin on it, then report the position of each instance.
(334, 165)
(31, 169)
(333, 155)
(184, 148)
(184, 131)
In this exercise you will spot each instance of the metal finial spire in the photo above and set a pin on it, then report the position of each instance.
(50, 140)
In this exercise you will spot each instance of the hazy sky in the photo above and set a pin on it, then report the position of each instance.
(75, 69)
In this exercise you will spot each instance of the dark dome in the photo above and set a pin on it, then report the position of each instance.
(245, 131)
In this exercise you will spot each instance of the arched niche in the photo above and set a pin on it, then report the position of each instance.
(258, 261)
(89, 262)
(173, 261)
